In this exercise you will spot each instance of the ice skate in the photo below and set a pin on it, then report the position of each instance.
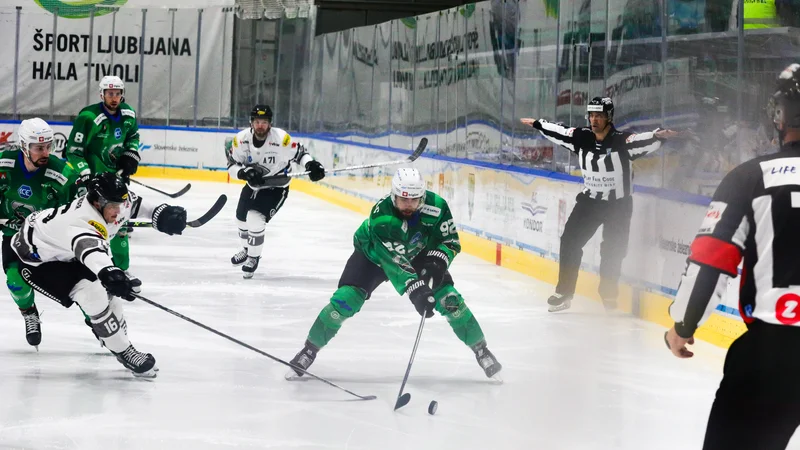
(303, 359)
(249, 268)
(559, 302)
(239, 258)
(33, 326)
(487, 361)
(141, 364)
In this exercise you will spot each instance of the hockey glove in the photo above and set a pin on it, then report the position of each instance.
(252, 174)
(317, 172)
(116, 282)
(422, 298)
(434, 267)
(82, 183)
(128, 163)
(169, 219)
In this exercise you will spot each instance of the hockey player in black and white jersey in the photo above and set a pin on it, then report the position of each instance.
(605, 155)
(64, 254)
(256, 155)
(753, 218)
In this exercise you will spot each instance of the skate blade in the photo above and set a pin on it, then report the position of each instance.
(560, 307)
(247, 275)
(291, 375)
(147, 374)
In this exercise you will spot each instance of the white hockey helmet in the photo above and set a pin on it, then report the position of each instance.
(407, 183)
(111, 82)
(33, 131)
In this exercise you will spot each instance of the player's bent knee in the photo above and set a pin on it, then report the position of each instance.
(348, 300)
(91, 296)
(449, 301)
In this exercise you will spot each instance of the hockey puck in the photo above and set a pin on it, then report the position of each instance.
(432, 407)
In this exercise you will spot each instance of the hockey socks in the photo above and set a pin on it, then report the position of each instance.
(450, 304)
(345, 303)
(20, 291)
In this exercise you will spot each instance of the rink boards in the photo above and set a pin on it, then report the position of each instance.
(508, 215)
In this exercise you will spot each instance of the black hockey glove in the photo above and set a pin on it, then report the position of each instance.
(169, 219)
(82, 184)
(434, 267)
(252, 174)
(317, 172)
(128, 163)
(116, 282)
(422, 298)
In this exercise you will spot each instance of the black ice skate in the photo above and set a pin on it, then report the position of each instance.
(486, 360)
(239, 258)
(559, 302)
(136, 284)
(141, 364)
(249, 268)
(303, 359)
(33, 326)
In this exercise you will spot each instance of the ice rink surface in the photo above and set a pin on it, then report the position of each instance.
(577, 379)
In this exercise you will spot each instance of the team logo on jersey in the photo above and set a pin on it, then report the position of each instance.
(118, 133)
(286, 140)
(415, 239)
(100, 228)
(25, 191)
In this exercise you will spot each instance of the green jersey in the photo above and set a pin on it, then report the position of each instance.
(25, 192)
(98, 139)
(392, 242)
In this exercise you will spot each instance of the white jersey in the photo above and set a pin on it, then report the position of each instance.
(276, 154)
(76, 230)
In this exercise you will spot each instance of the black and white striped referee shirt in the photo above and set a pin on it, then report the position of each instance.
(606, 164)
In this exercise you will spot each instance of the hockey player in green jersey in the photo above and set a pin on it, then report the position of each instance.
(105, 138)
(409, 239)
(31, 179)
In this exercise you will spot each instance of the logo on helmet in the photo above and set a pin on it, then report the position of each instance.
(405, 194)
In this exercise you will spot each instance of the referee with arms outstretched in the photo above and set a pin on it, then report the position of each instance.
(605, 155)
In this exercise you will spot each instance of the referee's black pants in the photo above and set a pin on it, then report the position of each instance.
(758, 401)
(583, 222)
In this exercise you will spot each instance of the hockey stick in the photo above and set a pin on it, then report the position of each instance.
(403, 399)
(175, 195)
(250, 347)
(412, 157)
(199, 222)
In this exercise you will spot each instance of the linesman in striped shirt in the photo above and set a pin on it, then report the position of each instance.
(605, 155)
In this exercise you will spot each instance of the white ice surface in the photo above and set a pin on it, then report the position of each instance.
(573, 380)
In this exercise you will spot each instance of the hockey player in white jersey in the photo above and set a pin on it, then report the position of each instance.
(256, 155)
(64, 254)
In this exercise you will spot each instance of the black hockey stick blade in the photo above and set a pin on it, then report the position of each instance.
(250, 347)
(175, 195)
(402, 401)
(420, 148)
(202, 220)
(215, 209)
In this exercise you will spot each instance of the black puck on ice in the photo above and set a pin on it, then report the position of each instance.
(432, 407)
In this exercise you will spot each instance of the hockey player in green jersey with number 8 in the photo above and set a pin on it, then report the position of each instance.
(31, 179)
(409, 239)
(105, 138)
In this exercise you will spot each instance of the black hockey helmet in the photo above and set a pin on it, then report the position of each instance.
(107, 188)
(601, 104)
(261, 112)
(784, 105)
